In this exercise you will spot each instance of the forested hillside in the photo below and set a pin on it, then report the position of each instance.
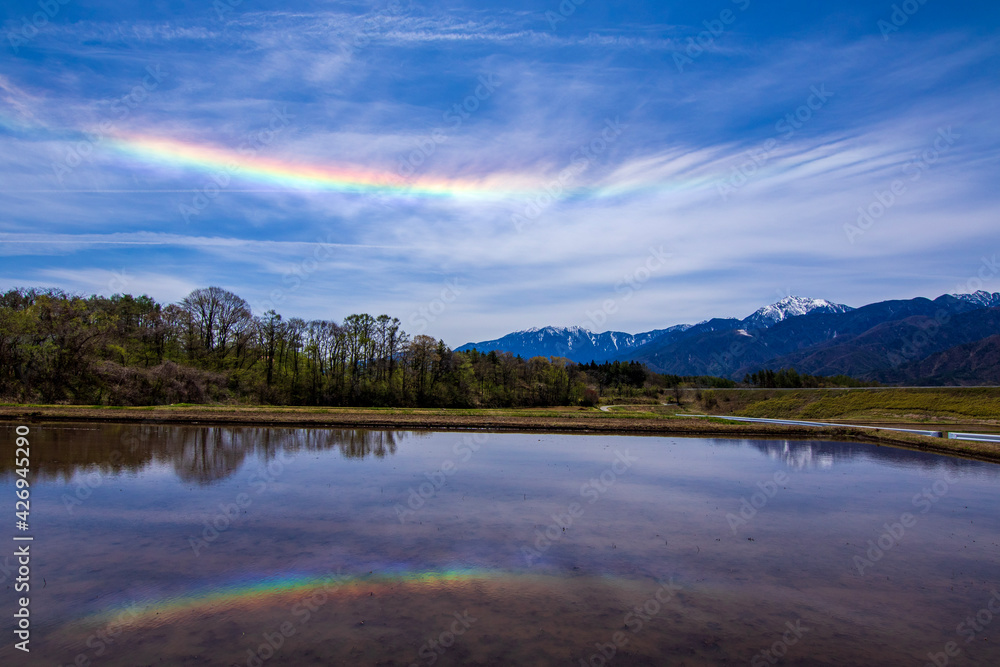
(124, 350)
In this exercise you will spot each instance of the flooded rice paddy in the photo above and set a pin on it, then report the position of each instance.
(169, 545)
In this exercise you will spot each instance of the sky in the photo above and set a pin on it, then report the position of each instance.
(476, 168)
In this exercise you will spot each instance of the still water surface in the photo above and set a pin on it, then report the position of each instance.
(166, 545)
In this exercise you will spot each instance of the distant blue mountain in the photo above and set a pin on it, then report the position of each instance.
(573, 343)
(582, 346)
(949, 340)
(868, 343)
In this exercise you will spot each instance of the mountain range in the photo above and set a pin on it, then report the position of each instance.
(572, 343)
(953, 339)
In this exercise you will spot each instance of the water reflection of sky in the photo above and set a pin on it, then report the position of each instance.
(125, 515)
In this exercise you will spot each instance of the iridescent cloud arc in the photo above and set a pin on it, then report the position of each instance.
(244, 165)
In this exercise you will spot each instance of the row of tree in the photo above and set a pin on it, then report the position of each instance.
(125, 350)
(789, 378)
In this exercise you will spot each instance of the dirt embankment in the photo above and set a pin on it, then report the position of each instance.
(578, 421)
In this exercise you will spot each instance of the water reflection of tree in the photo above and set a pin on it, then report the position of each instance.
(361, 444)
(197, 454)
(208, 454)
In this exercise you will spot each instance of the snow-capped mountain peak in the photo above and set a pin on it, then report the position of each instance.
(573, 342)
(791, 306)
(981, 298)
(583, 345)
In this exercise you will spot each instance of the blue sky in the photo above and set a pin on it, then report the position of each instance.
(705, 158)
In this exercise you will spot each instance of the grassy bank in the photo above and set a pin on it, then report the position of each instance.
(939, 405)
(639, 420)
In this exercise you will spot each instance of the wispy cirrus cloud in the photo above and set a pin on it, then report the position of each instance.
(374, 88)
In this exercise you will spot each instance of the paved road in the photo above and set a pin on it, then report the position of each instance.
(978, 437)
(793, 422)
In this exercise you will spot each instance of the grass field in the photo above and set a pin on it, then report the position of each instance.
(939, 405)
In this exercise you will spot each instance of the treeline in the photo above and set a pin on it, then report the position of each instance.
(789, 378)
(57, 347)
(620, 375)
(617, 375)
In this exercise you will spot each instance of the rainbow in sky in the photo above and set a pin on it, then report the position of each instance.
(245, 164)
